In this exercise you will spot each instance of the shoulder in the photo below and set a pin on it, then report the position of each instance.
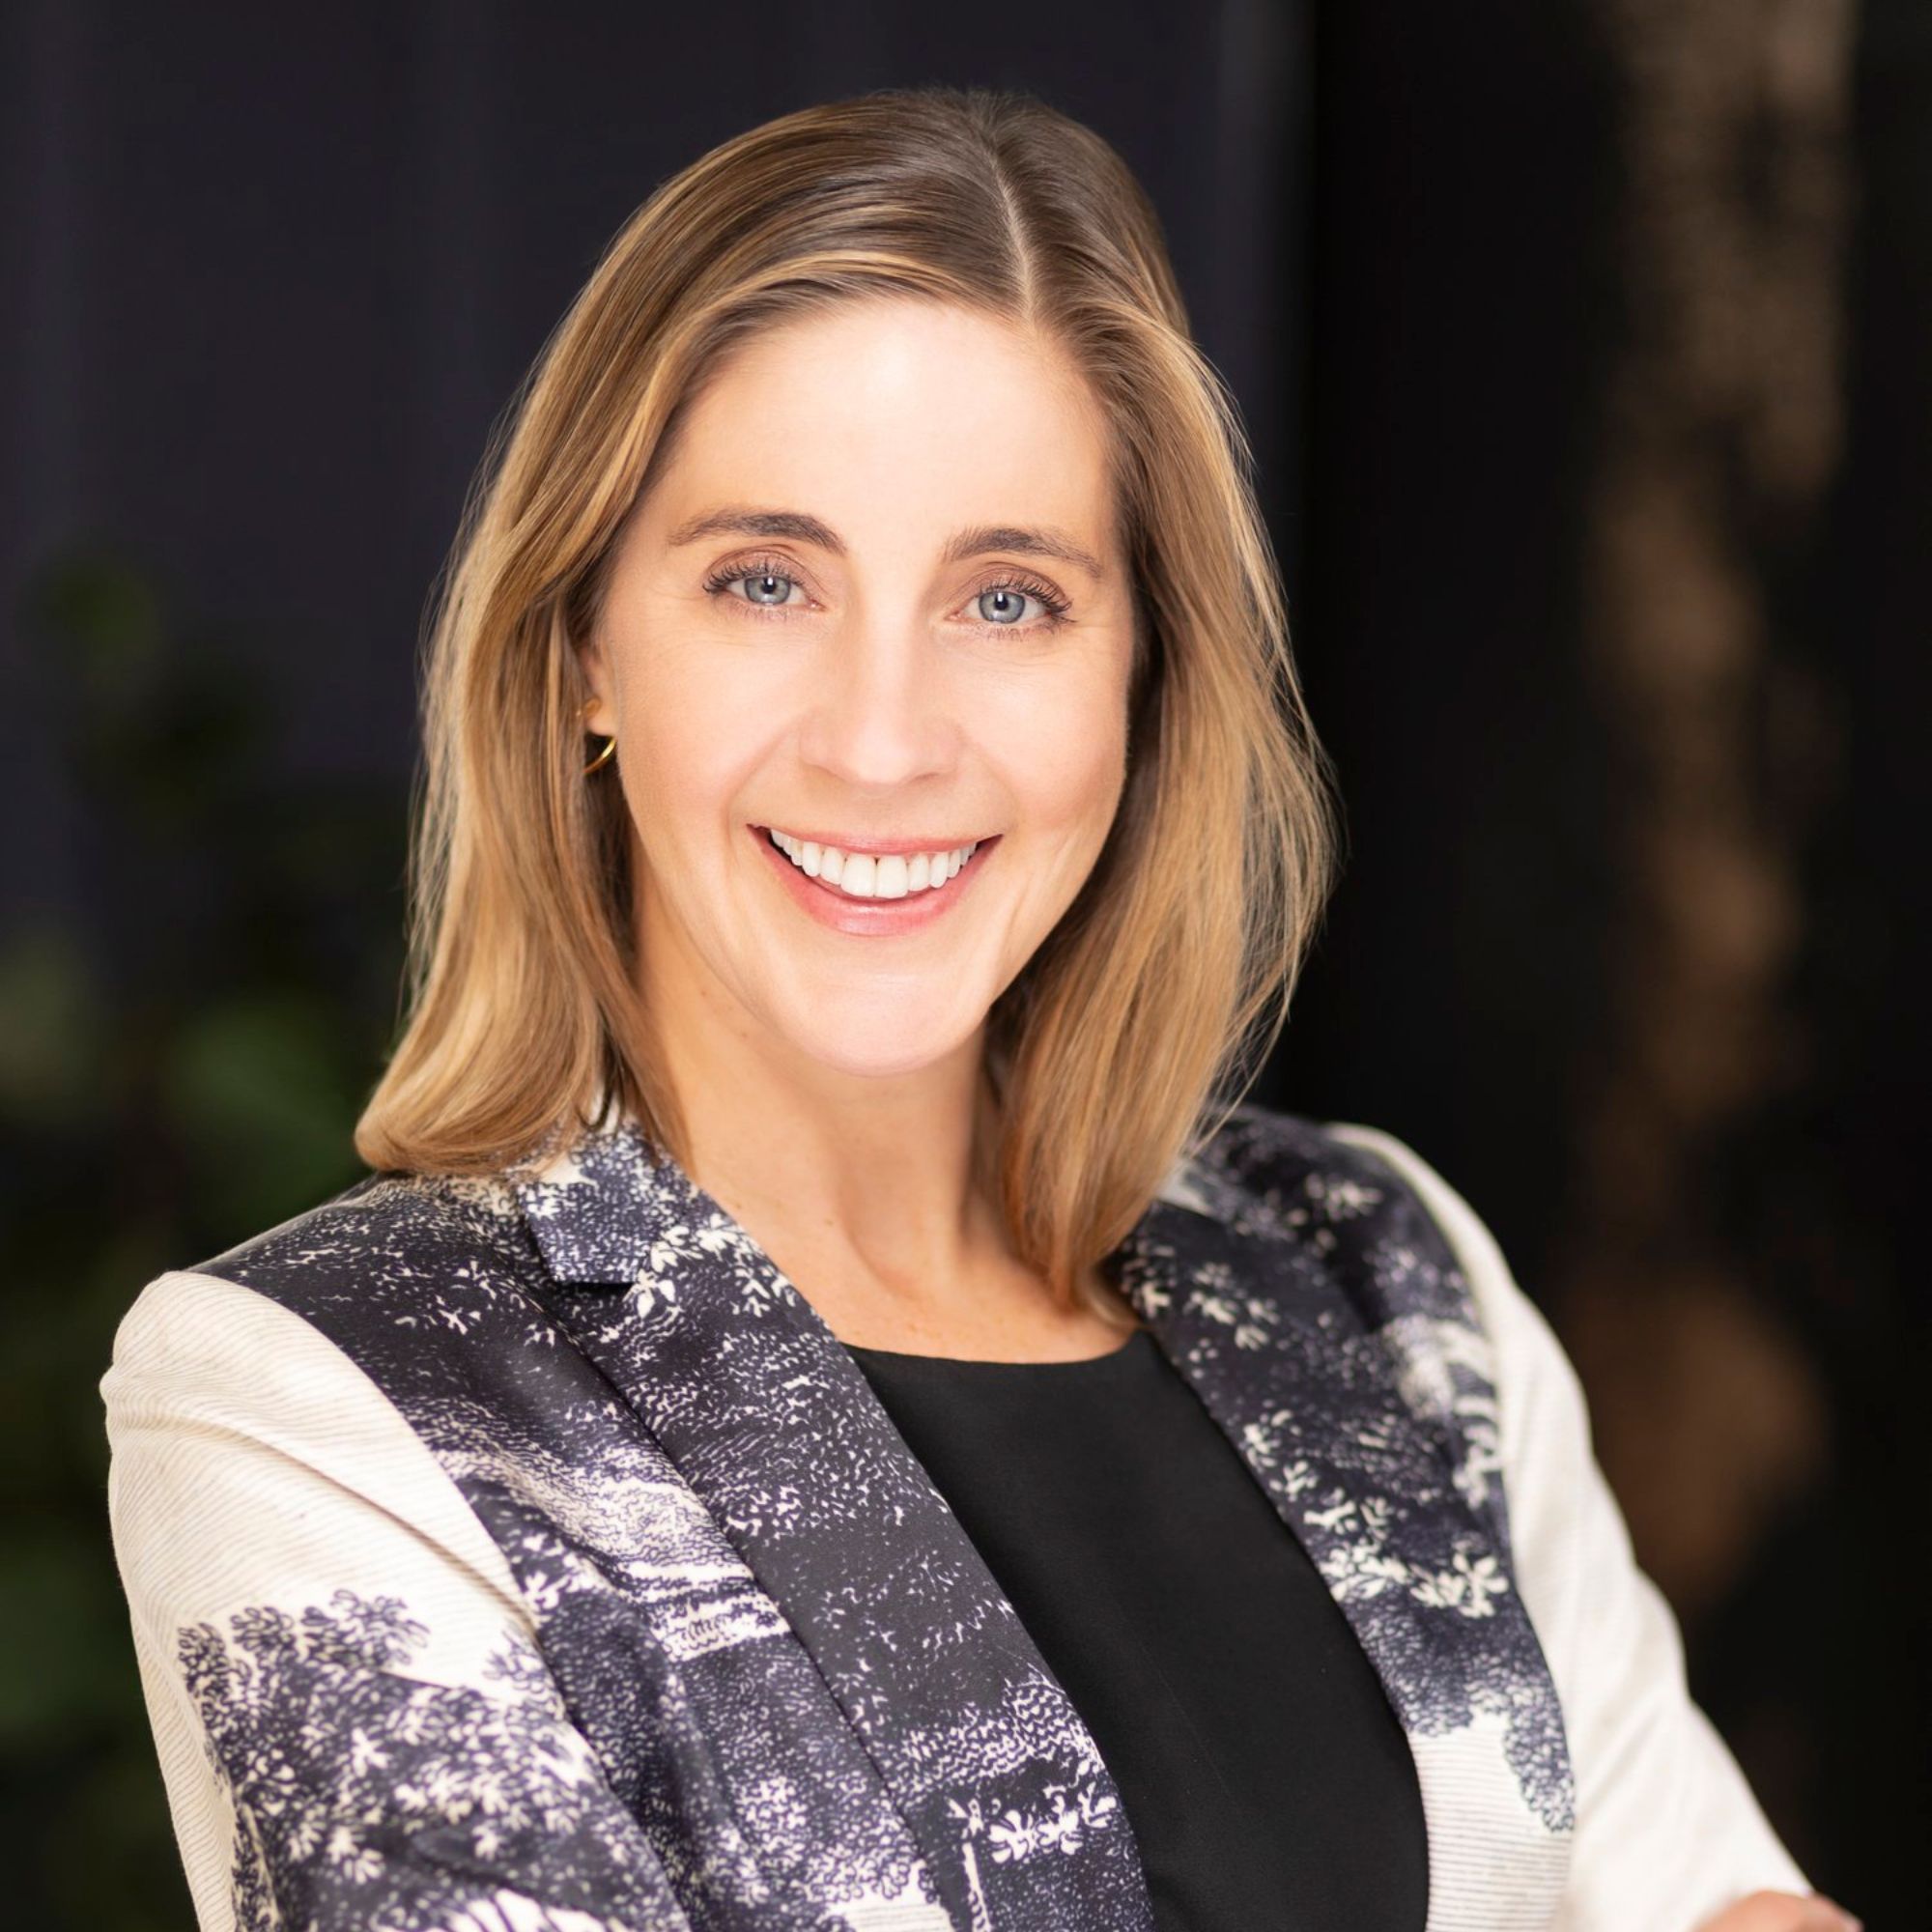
(1278, 1169)
(1415, 1256)
(236, 1426)
(403, 1293)
(1473, 1358)
(1386, 1223)
(384, 1236)
(1537, 1385)
(308, 1376)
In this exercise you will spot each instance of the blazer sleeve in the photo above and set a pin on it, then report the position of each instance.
(1668, 1832)
(355, 1724)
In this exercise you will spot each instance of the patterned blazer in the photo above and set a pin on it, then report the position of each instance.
(527, 1552)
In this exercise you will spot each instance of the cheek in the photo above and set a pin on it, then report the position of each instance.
(1066, 758)
(691, 736)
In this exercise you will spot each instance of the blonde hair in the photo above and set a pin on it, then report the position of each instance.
(1154, 999)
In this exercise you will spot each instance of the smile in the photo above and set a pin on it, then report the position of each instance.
(876, 895)
(867, 875)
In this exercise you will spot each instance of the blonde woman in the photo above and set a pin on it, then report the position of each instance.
(828, 1410)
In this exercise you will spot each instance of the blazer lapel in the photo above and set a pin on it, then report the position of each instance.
(1308, 1392)
(779, 1432)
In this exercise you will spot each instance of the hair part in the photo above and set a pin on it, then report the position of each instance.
(1147, 1011)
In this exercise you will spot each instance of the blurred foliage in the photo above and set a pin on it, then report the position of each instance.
(179, 1071)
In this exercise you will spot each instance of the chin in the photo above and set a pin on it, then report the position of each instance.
(876, 1038)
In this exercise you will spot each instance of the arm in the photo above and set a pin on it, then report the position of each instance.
(1668, 1832)
(353, 1721)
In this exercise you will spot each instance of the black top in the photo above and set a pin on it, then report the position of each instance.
(1266, 1776)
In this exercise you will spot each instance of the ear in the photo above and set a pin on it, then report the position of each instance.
(601, 715)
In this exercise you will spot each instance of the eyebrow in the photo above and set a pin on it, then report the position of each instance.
(974, 541)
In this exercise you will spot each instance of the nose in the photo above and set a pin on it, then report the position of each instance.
(882, 713)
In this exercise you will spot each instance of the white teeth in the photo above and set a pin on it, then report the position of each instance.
(863, 876)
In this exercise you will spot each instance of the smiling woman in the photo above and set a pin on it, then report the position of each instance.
(883, 503)
(828, 1410)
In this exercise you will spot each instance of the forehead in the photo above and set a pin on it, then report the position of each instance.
(892, 418)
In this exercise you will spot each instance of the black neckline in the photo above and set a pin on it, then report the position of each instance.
(923, 1364)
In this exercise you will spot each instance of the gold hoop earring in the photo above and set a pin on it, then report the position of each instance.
(603, 757)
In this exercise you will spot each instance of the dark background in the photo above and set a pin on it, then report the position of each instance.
(1584, 350)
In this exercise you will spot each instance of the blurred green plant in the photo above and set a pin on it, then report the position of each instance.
(180, 1068)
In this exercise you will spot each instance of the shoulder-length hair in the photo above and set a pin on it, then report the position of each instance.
(1153, 1000)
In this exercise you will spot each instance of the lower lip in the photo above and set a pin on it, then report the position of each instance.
(873, 918)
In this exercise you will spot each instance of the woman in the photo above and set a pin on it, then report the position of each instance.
(825, 1410)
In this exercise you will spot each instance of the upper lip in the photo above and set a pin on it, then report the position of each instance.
(877, 847)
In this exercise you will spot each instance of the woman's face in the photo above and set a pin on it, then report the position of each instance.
(873, 606)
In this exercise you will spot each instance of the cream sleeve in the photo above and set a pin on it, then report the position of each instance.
(353, 1722)
(1668, 1832)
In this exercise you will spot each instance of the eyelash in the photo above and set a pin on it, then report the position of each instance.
(720, 581)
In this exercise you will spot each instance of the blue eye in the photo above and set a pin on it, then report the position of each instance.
(1009, 596)
(763, 583)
